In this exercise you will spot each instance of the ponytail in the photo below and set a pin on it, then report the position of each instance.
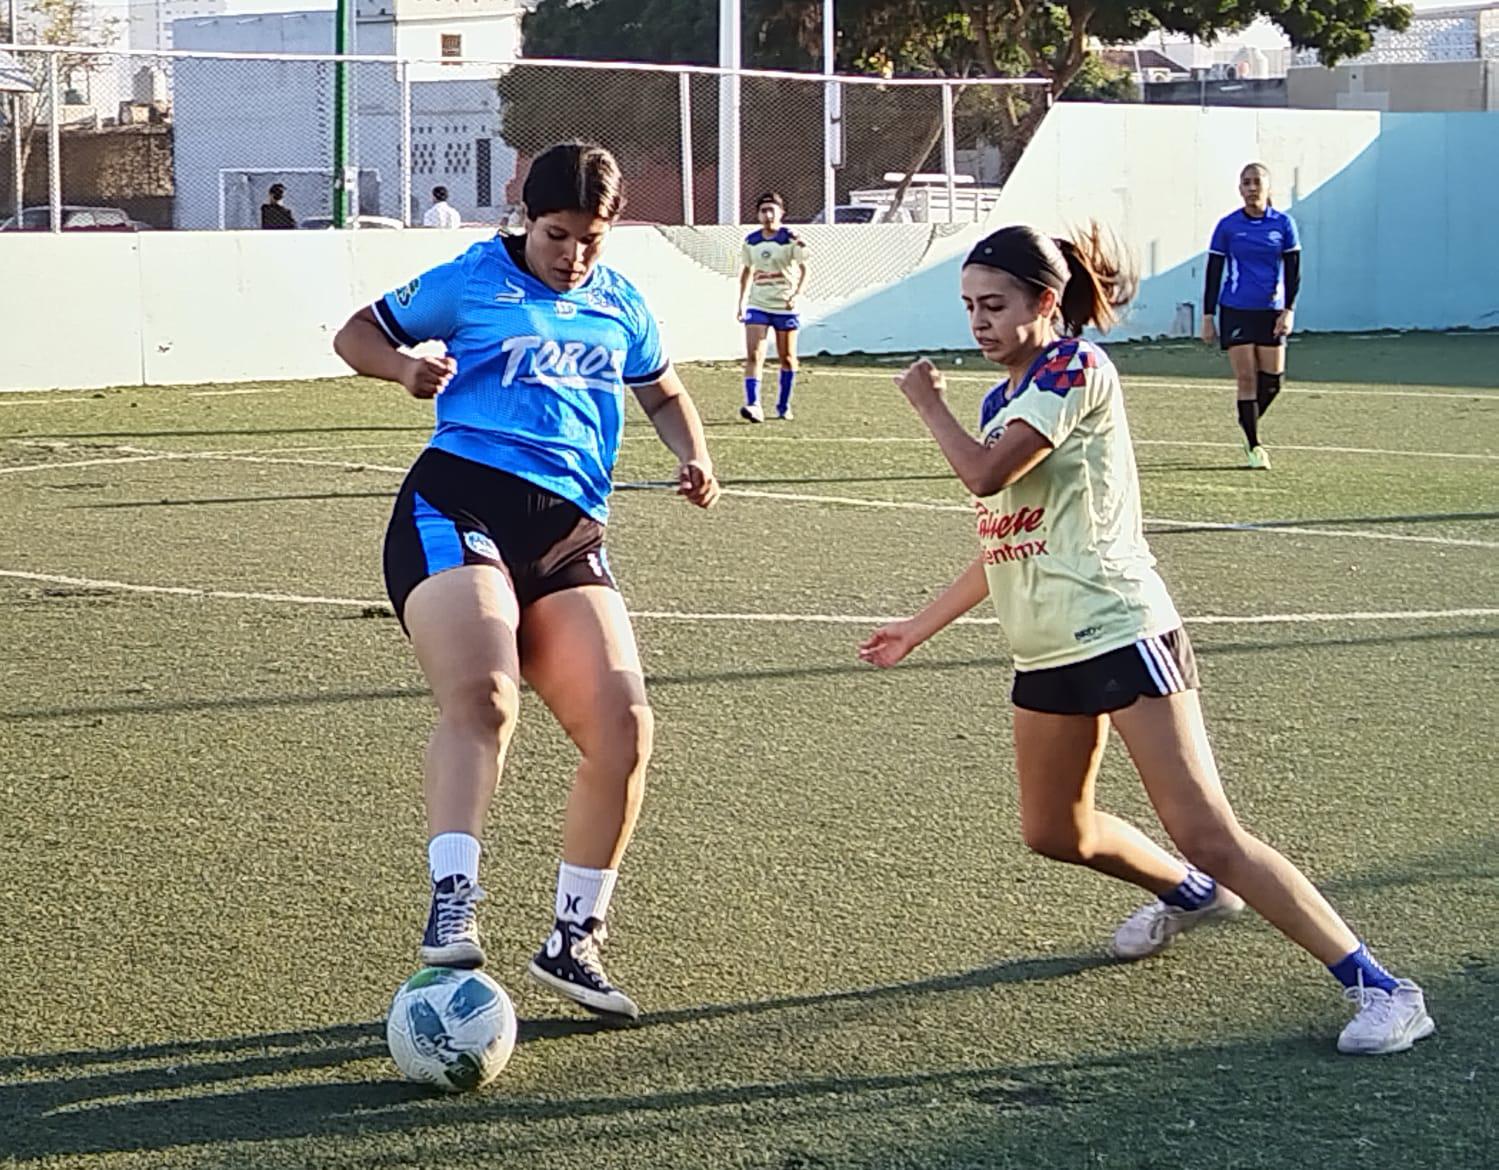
(1100, 281)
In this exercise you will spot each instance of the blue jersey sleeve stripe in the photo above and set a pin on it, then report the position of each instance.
(392, 327)
(649, 379)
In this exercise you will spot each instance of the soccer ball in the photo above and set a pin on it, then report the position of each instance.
(451, 1028)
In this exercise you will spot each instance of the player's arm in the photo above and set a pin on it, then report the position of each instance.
(801, 270)
(984, 469)
(369, 350)
(1212, 282)
(426, 309)
(801, 279)
(892, 642)
(1291, 259)
(746, 274)
(674, 415)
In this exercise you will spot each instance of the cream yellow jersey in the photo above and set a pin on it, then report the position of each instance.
(773, 261)
(1070, 574)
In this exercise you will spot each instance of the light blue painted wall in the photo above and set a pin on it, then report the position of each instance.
(1398, 215)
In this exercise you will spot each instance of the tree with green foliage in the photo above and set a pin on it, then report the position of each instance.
(961, 39)
(946, 38)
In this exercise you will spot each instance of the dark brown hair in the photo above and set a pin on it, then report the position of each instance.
(1088, 272)
(1264, 170)
(574, 176)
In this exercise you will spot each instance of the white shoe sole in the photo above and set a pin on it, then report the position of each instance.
(1401, 1043)
(466, 955)
(748, 416)
(1226, 908)
(617, 1006)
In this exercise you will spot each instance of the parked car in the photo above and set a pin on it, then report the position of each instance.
(361, 222)
(863, 213)
(74, 219)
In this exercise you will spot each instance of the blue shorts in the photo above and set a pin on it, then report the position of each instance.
(780, 322)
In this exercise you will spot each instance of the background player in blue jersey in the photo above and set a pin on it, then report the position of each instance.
(774, 269)
(1253, 276)
(494, 557)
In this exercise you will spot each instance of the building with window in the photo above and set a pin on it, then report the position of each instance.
(242, 125)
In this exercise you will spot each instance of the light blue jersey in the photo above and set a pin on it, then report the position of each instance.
(539, 390)
(1254, 247)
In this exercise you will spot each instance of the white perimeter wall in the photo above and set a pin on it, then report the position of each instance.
(1395, 212)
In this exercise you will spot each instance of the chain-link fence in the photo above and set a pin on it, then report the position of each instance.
(214, 139)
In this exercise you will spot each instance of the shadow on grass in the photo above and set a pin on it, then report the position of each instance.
(1158, 530)
(74, 1106)
(997, 663)
(212, 500)
(418, 429)
(1462, 360)
(1279, 1101)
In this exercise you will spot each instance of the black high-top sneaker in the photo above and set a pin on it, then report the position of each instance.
(568, 963)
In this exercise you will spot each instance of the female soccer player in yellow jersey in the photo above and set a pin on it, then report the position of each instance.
(1095, 636)
(774, 268)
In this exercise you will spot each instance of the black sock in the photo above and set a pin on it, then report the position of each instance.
(1269, 387)
(1249, 420)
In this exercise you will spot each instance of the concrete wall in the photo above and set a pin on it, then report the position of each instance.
(1424, 87)
(1396, 214)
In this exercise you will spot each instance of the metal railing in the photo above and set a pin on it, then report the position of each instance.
(195, 139)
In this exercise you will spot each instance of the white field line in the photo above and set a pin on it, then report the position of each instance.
(1272, 527)
(1327, 450)
(756, 436)
(5, 400)
(85, 463)
(671, 615)
(1296, 530)
(247, 390)
(1150, 382)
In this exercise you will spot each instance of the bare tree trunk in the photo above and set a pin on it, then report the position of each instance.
(930, 142)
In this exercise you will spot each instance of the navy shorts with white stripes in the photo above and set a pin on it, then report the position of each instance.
(1149, 668)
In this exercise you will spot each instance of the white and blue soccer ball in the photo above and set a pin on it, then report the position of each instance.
(451, 1028)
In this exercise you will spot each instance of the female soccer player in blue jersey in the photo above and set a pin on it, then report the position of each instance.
(494, 557)
(1095, 635)
(1253, 276)
(773, 271)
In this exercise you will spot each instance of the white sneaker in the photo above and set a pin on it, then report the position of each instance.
(1151, 928)
(1386, 1021)
(754, 413)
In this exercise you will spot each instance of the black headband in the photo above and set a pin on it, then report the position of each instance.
(1026, 255)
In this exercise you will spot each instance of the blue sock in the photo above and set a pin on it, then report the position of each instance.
(1361, 963)
(788, 380)
(1195, 891)
(751, 391)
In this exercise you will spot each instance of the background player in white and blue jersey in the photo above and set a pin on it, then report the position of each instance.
(774, 269)
(494, 557)
(1253, 276)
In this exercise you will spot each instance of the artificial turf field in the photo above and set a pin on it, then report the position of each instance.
(212, 840)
